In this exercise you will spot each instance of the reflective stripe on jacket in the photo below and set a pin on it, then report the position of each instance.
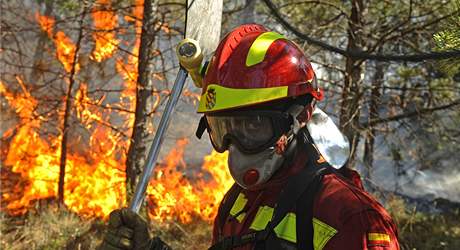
(344, 216)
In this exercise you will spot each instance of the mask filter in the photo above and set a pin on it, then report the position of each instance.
(250, 171)
(251, 177)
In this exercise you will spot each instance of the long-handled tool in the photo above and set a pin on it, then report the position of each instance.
(190, 56)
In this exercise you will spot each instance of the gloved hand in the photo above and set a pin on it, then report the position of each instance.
(128, 231)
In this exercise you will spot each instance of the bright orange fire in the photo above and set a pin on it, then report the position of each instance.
(46, 24)
(105, 22)
(174, 195)
(95, 170)
(65, 48)
(94, 180)
(94, 184)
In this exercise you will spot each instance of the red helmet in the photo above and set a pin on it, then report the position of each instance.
(252, 66)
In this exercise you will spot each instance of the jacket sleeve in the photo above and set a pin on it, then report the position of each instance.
(215, 231)
(367, 230)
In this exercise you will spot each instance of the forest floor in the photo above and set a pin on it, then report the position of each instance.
(48, 227)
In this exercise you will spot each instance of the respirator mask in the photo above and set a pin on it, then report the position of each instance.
(259, 142)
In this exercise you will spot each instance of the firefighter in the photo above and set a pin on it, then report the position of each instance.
(258, 96)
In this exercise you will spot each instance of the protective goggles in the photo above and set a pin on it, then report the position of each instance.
(251, 131)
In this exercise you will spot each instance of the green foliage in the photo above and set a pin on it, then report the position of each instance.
(64, 6)
(406, 73)
(449, 39)
(443, 84)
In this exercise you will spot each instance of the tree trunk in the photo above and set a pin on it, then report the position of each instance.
(368, 156)
(67, 112)
(349, 113)
(137, 148)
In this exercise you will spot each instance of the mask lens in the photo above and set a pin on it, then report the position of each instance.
(218, 128)
(248, 132)
(253, 132)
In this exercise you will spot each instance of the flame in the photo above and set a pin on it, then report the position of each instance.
(65, 48)
(46, 23)
(105, 23)
(94, 184)
(174, 194)
(65, 51)
(93, 179)
(95, 170)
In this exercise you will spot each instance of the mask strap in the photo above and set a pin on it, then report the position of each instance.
(295, 111)
(202, 126)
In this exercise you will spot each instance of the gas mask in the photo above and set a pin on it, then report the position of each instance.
(251, 171)
(259, 142)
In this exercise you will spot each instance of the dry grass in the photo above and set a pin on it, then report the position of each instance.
(52, 228)
(425, 231)
(194, 236)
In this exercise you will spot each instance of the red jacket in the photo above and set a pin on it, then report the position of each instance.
(344, 215)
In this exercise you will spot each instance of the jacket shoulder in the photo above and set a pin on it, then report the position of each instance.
(339, 199)
(355, 220)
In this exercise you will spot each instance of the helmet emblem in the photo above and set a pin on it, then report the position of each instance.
(210, 98)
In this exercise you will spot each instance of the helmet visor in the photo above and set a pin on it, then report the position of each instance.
(251, 132)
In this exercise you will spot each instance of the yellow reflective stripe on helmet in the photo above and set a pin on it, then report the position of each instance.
(217, 97)
(322, 233)
(286, 229)
(260, 46)
(239, 204)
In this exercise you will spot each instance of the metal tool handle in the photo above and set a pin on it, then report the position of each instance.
(185, 51)
(139, 194)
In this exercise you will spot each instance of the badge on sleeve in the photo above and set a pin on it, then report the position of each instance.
(378, 240)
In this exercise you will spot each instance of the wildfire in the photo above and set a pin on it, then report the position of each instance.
(95, 170)
(105, 22)
(46, 24)
(65, 48)
(173, 194)
(93, 183)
